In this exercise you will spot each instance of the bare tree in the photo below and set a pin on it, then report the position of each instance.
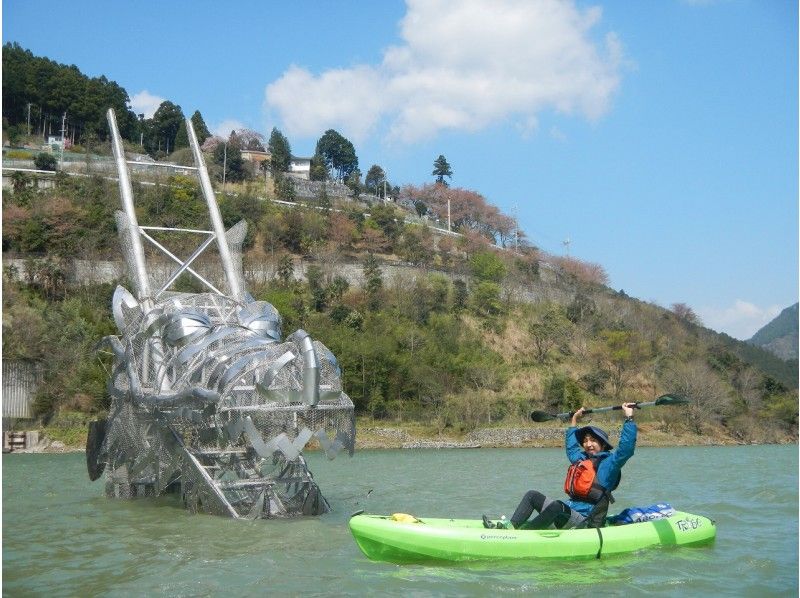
(585, 272)
(685, 313)
(621, 353)
(551, 328)
(710, 400)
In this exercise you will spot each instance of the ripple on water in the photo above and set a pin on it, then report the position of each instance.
(62, 537)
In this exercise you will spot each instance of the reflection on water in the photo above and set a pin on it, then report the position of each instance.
(62, 537)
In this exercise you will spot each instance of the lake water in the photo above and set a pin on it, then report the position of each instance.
(62, 537)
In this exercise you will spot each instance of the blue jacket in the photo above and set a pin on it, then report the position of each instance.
(610, 469)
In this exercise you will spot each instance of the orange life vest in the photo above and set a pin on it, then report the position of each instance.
(581, 481)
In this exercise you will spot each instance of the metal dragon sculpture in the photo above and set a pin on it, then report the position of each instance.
(207, 399)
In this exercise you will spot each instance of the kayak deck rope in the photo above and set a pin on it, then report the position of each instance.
(599, 535)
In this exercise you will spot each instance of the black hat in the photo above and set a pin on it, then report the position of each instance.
(596, 432)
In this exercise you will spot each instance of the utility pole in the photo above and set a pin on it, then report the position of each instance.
(448, 215)
(29, 119)
(63, 139)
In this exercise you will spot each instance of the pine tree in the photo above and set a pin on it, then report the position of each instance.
(200, 128)
(442, 169)
(280, 152)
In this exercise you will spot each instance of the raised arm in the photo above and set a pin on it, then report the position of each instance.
(627, 438)
(574, 450)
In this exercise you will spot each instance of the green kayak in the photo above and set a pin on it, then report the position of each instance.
(402, 538)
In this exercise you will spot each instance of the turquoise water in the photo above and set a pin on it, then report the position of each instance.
(62, 537)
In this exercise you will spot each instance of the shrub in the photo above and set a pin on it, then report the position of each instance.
(564, 393)
(486, 266)
(44, 161)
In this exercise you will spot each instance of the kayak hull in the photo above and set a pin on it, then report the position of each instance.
(383, 538)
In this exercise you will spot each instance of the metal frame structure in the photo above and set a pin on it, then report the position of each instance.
(208, 400)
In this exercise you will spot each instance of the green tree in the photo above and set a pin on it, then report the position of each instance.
(442, 169)
(182, 138)
(487, 266)
(318, 170)
(45, 161)
(338, 154)
(166, 121)
(486, 299)
(285, 271)
(338, 287)
(373, 282)
(389, 221)
(285, 189)
(200, 128)
(280, 152)
(563, 392)
(228, 156)
(319, 295)
(374, 180)
(415, 245)
(353, 182)
(460, 295)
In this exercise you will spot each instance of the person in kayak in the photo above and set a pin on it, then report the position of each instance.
(595, 471)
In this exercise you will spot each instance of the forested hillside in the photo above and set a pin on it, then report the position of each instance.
(780, 335)
(38, 91)
(477, 336)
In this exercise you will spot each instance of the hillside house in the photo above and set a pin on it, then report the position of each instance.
(255, 156)
(300, 167)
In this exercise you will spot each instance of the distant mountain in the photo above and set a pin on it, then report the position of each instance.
(779, 337)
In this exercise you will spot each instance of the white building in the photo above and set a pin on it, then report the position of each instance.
(300, 167)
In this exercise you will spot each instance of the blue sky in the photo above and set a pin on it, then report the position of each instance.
(660, 137)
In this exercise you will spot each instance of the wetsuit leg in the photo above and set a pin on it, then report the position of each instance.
(532, 500)
(555, 513)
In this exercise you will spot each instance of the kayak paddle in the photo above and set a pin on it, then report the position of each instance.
(670, 399)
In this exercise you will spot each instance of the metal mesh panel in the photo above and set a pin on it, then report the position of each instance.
(205, 397)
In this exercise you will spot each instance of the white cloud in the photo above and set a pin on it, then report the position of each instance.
(145, 103)
(462, 66)
(741, 320)
(224, 128)
(350, 99)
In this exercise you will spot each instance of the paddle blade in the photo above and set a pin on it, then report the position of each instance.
(542, 416)
(672, 399)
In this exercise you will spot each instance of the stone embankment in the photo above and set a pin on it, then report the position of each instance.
(438, 444)
(510, 437)
(374, 437)
(549, 285)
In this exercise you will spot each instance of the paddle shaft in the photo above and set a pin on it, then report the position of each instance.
(541, 416)
(668, 399)
(601, 409)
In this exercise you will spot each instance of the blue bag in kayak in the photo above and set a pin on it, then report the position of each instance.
(638, 514)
